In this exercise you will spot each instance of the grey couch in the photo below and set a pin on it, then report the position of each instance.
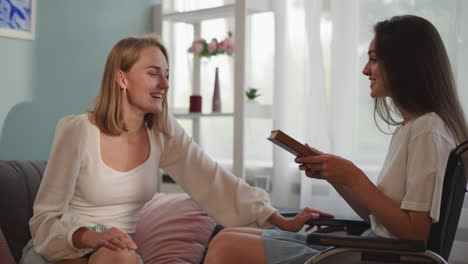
(19, 183)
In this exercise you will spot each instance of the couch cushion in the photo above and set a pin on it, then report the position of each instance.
(172, 228)
(19, 183)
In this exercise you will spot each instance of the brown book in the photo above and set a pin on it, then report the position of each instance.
(290, 144)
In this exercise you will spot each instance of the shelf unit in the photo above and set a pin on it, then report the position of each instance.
(239, 10)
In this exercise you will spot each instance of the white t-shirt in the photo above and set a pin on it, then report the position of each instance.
(79, 189)
(413, 171)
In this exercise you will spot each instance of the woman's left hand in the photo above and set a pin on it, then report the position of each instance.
(297, 223)
(331, 168)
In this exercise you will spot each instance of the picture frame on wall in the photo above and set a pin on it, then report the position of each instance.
(18, 19)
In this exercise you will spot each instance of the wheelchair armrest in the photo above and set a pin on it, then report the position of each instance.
(352, 227)
(366, 242)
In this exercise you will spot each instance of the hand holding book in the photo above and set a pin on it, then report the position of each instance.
(291, 145)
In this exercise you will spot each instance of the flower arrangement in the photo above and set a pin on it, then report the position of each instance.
(201, 48)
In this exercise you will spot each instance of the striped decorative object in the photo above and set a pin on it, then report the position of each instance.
(5, 256)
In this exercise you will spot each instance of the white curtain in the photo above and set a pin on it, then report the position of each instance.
(334, 107)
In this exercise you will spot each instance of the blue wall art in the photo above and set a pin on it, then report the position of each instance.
(17, 18)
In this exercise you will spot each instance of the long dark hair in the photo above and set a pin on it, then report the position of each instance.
(417, 73)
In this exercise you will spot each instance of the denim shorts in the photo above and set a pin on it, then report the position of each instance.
(281, 247)
(30, 256)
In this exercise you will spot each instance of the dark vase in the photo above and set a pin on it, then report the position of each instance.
(195, 104)
(216, 94)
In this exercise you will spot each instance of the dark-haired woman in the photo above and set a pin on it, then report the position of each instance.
(410, 74)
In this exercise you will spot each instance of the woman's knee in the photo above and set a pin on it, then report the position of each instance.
(105, 255)
(234, 247)
(222, 240)
(218, 248)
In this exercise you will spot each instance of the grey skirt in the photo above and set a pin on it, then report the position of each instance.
(285, 247)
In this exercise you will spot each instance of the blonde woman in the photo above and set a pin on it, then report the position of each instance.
(103, 164)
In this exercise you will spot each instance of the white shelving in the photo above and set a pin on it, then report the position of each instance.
(239, 10)
(185, 115)
(196, 16)
(252, 110)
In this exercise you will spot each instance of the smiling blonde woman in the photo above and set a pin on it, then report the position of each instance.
(103, 166)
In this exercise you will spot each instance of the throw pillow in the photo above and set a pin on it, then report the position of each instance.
(172, 228)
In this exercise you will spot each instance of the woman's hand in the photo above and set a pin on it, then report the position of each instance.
(334, 169)
(112, 239)
(297, 223)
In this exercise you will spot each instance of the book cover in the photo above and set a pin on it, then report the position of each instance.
(290, 144)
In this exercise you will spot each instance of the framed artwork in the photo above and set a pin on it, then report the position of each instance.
(17, 18)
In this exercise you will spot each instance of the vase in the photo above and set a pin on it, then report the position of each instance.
(195, 105)
(216, 94)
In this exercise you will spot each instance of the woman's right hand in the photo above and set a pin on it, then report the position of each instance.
(334, 169)
(112, 239)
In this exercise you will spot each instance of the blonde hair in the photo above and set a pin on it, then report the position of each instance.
(106, 113)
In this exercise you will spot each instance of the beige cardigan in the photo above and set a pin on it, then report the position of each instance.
(78, 189)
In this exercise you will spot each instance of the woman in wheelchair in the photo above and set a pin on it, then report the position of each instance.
(410, 77)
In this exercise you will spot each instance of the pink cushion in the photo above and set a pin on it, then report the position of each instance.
(5, 255)
(172, 228)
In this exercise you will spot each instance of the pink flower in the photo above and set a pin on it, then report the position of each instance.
(223, 45)
(198, 47)
(200, 40)
(230, 47)
(227, 45)
(203, 49)
(212, 46)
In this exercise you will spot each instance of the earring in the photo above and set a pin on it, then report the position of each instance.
(124, 89)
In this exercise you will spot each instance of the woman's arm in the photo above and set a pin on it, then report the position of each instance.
(349, 197)
(366, 198)
(53, 222)
(404, 224)
(313, 170)
(423, 165)
(225, 197)
(111, 238)
(297, 223)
